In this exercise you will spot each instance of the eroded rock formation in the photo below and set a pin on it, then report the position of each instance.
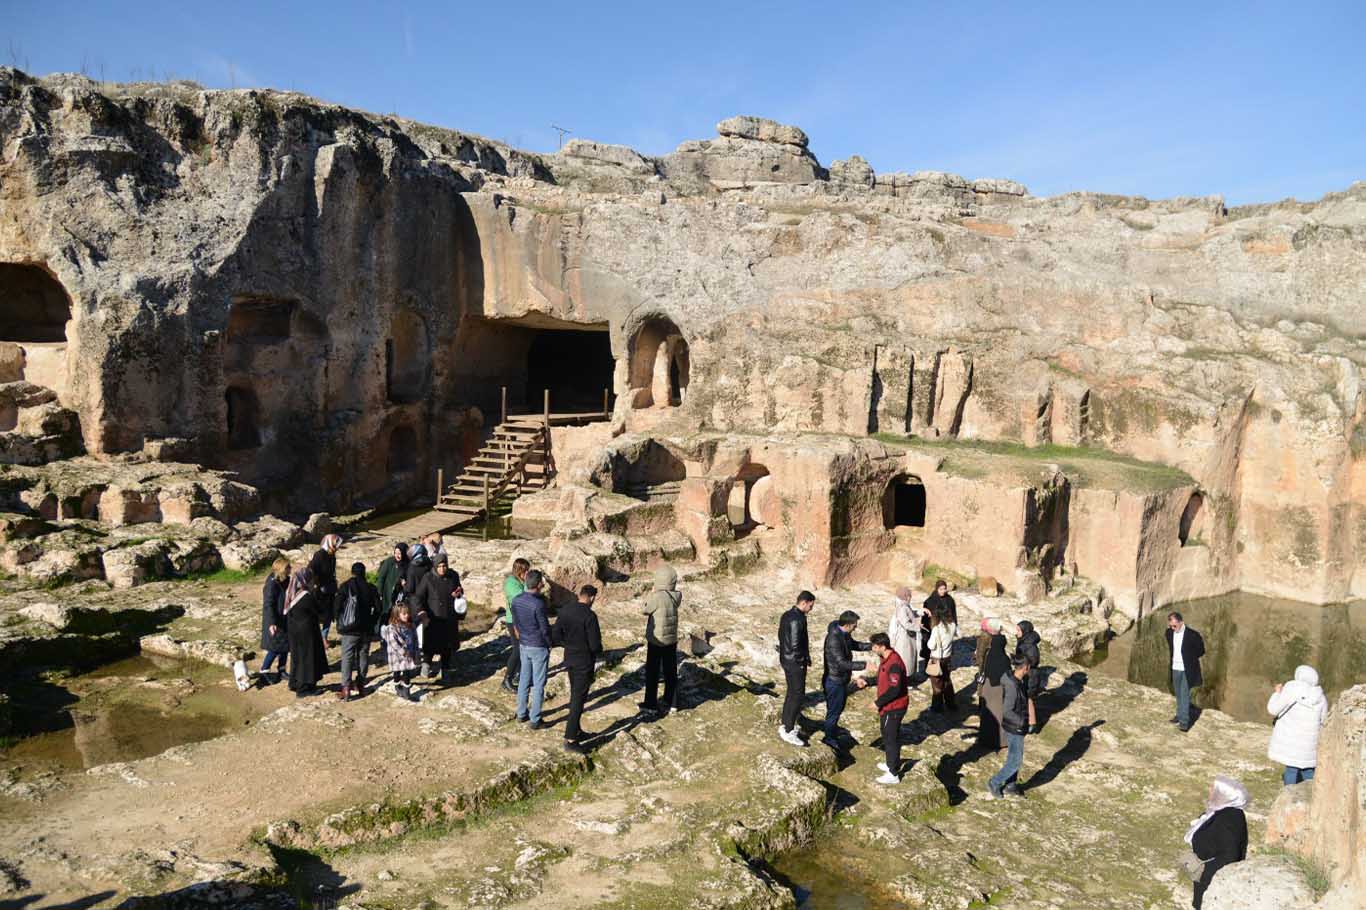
(329, 302)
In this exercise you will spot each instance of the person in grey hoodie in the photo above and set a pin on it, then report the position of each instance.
(661, 641)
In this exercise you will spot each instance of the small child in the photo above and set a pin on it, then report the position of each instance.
(400, 639)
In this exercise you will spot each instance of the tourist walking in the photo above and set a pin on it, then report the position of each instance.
(794, 656)
(307, 653)
(1027, 646)
(357, 603)
(891, 703)
(838, 665)
(533, 642)
(1015, 723)
(578, 632)
(942, 636)
(400, 639)
(323, 568)
(994, 666)
(904, 630)
(661, 642)
(513, 584)
(1301, 710)
(1219, 836)
(440, 602)
(1185, 647)
(389, 582)
(274, 634)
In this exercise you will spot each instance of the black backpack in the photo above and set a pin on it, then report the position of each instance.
(348, 621)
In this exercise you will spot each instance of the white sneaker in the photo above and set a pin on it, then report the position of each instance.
(888, 778)
(792, 737)
(882, 766)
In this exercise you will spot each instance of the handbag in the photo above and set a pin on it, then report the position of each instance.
(934, 668)
(1192, 865)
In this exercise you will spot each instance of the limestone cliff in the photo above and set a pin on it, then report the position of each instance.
(329, 302)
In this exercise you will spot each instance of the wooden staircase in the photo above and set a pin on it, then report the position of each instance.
(515, 459)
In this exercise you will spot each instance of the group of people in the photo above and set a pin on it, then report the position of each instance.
(918, 644)
(415, 606)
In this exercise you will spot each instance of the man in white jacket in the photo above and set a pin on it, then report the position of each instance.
(1300, 709)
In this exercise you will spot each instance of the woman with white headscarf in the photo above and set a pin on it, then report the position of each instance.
(904, 630)
(1300, 709)
(1219, 837)
(323, 566)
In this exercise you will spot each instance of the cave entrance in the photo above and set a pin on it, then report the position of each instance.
(747, 506)
(244, 429)
(659, 365)
(407, 358)
(574, 366)
(34, 307)
(903, 503)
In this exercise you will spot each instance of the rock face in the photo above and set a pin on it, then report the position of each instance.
(329, 303)
(1335, 835)
(1259, 883)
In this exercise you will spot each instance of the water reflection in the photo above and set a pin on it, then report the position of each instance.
(1251, 644)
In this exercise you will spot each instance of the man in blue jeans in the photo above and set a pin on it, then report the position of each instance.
(1015, 723)
(839, 667)
(533, 640)
(1185, 647)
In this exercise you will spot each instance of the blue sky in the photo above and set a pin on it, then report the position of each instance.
(1256, 101)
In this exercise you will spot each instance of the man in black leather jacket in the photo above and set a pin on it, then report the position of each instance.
(794, 655)
(839, 666)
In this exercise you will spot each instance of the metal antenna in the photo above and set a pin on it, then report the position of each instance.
(562, 131)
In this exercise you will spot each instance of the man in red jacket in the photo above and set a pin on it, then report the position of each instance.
(891, 704)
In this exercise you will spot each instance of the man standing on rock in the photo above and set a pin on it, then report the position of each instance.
(1015, 723)
(513, 584)
(533, 640)
(577, 631)
(890, 704)
(794, 656)
(1185, 647)
(661, 641)
(839, 665)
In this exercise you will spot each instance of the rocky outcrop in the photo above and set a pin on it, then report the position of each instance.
(1335, 835)
(1259, 883)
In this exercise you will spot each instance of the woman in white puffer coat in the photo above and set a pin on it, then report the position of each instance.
(1300, 709)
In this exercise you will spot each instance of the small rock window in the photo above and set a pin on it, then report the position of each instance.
(33, 305)
(1192, 528)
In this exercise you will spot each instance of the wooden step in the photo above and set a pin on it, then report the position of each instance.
(458, 509)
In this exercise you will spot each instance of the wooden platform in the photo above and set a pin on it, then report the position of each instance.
(420, 525)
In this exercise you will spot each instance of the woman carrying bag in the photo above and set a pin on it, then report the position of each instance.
(941, 654)
(1217, 838)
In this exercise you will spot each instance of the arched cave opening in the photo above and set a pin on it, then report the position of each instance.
(34, 307)
(244, 430)
(659, 367)
(402, 457)
(903, 503)
(407, 358)
(1190, 532)
(575, 366)
(748, 506)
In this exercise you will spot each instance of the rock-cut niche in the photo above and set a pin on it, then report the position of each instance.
(244, 428)
(659, 367)
(903, 503)
(402, 450)
(34, 307)
(750, 504)
(1191, 530)
(407, 358)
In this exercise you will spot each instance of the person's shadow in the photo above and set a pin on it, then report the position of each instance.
(1054, 701)
(949, 770)
(1070, 751)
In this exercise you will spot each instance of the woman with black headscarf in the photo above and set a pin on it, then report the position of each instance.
(1027, 646)
(307, 653)
(991, 704)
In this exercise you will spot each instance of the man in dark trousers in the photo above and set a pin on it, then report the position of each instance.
(890, 704)
(1015, 724)
(576, 630)
(839, 665)
(794, 656)
(1185, 647)
(354, 607)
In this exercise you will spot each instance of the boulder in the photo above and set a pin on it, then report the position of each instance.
(988, 586)
(729, 164)
(1266, 882)
(601, 153)
(762, 130)
(128, 567)
(246, 555)
(1335, 837)
(997, 185)
(1289, 816)
(318, 525)
(852, 171)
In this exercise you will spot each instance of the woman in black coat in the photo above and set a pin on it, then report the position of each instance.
(1219, 837)
(307, 654)
(991, 695)
(323, 567)
(274, 635)
(1027, 646)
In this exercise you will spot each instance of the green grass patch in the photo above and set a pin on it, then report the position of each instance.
(1315, 876)
(933, 572)
(227, 576)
